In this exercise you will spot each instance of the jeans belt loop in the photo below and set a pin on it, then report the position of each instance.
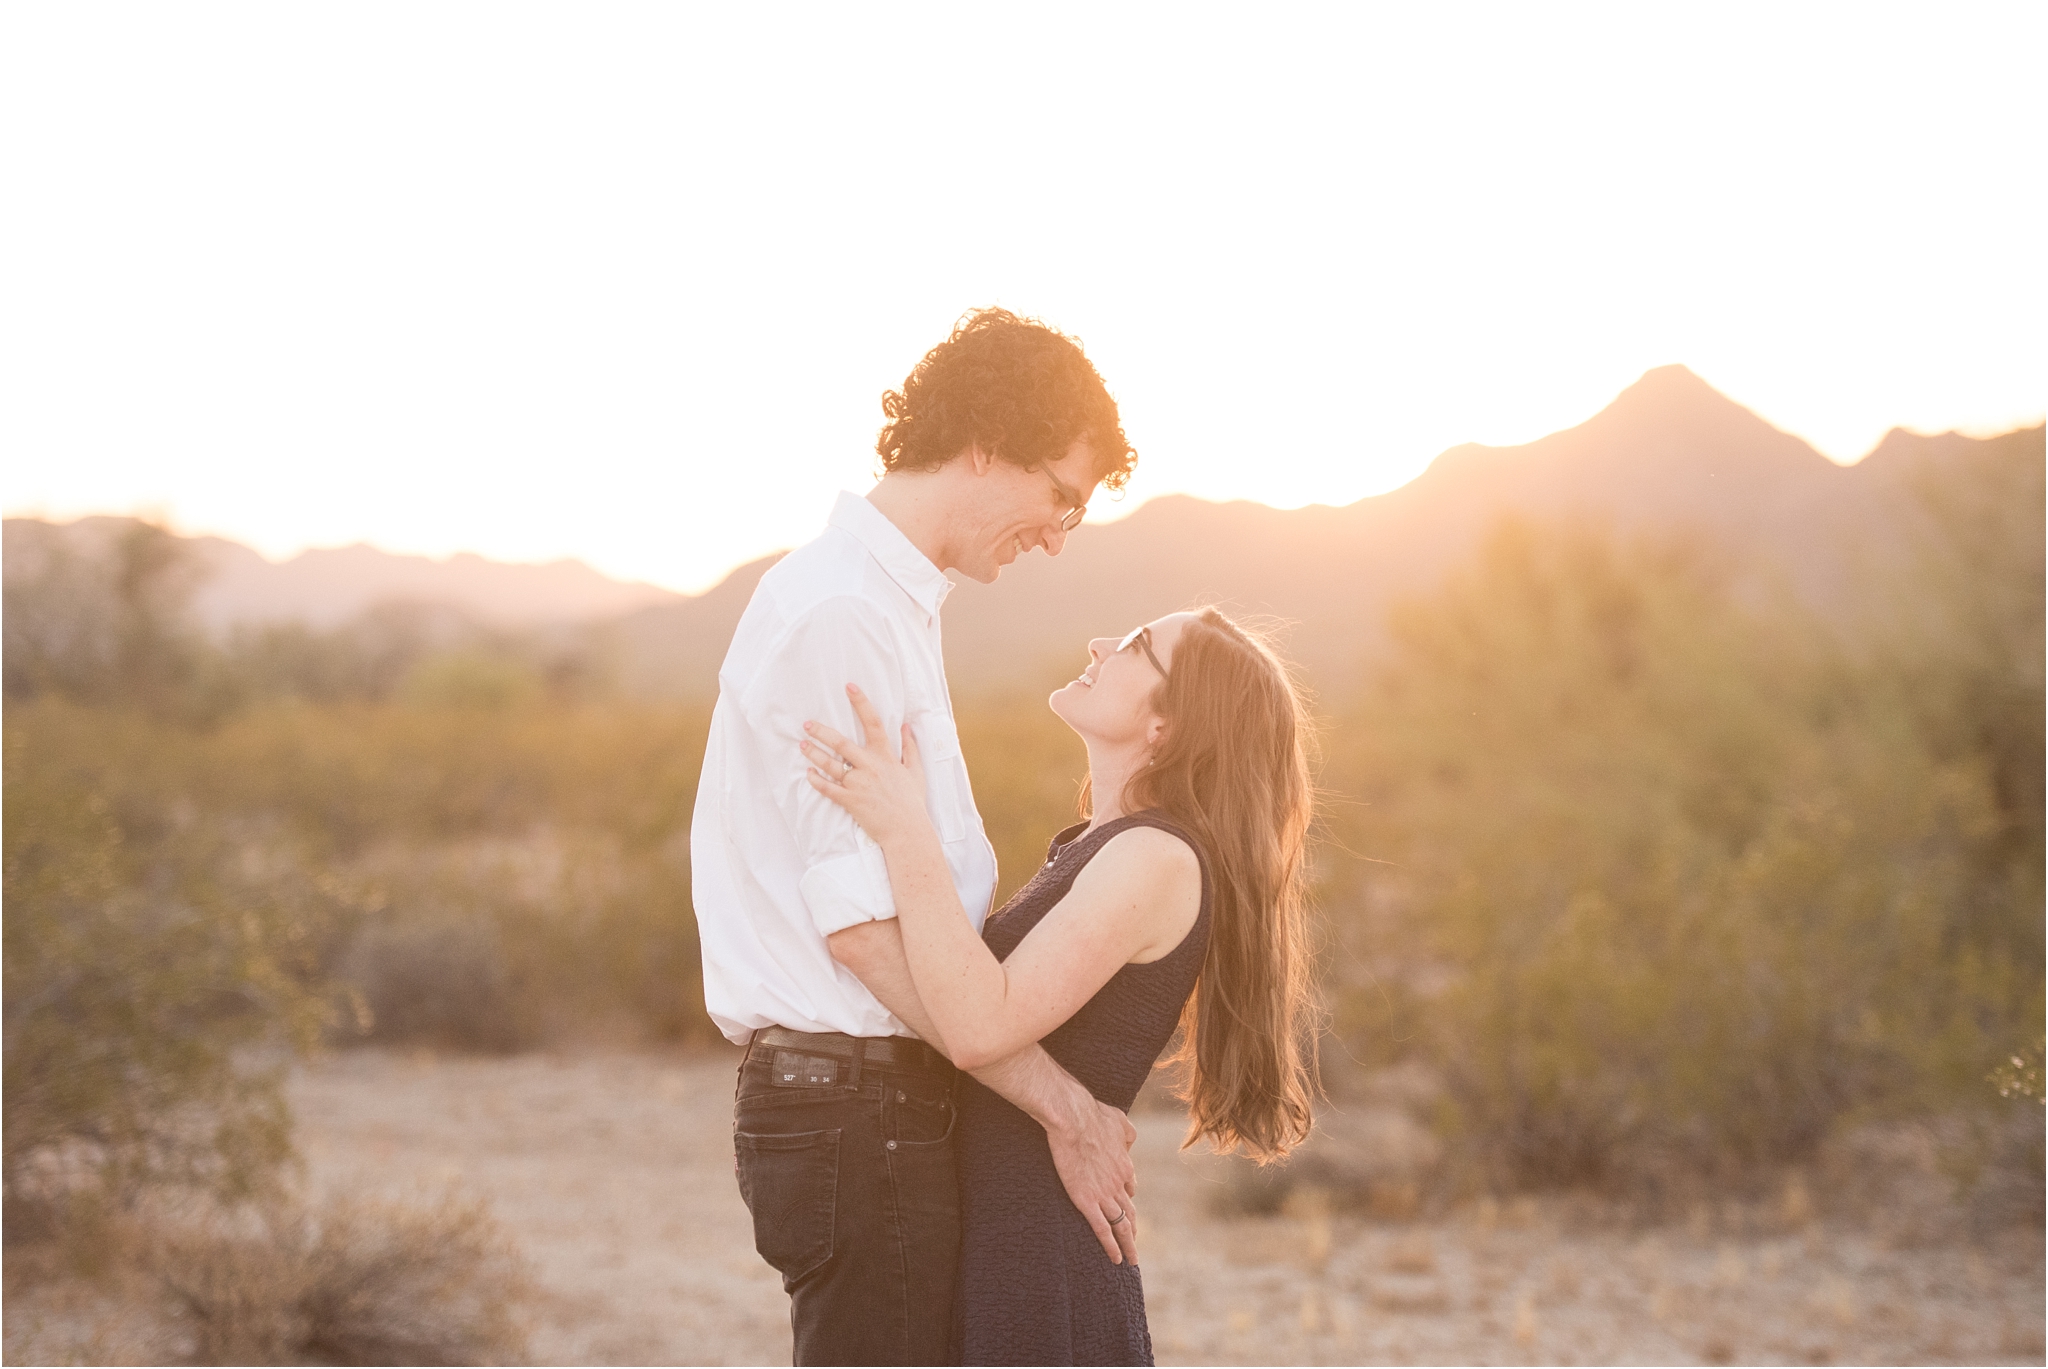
(860, 1053)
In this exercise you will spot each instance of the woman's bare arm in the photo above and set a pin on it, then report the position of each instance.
(1090, 1140)
(1135, 900)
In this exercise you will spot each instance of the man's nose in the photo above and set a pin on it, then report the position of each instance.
(1052, 538)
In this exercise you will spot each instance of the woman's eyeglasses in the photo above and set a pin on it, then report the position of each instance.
(1141, 638)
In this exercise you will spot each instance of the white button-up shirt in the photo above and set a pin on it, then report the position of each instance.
(775, 866)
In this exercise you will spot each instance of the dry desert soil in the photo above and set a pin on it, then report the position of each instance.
(613, 1174)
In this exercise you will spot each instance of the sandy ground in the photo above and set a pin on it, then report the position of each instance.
(614, 1174)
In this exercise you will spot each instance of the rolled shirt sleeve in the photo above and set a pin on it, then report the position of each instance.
(840, 641)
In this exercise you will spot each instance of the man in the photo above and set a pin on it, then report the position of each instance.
(843, 1113)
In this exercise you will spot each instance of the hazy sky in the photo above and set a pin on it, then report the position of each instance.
(626, 282)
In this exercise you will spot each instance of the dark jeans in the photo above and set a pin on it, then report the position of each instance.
(856, 1203)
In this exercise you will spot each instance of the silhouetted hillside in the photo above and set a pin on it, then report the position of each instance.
(327, 586)
(1670, 453)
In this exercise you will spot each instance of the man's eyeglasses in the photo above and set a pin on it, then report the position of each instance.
(1076, 507)
(1141, 638)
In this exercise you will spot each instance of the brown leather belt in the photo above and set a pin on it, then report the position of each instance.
(899, 1052)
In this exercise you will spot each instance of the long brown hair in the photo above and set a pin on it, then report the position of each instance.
(1232, 769)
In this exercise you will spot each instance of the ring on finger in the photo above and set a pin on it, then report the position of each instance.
(1121, 1215)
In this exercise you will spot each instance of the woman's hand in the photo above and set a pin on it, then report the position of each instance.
(885, 796)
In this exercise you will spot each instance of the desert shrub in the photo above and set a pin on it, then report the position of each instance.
(108, 629)
(481, 878)
(445, 983)
(424, 654)
(351, 1283)
(528, 864)
(1674, 884)
(1959, 644)
(501, 943)
(168, 1280)
(471, 678)
(156, 977)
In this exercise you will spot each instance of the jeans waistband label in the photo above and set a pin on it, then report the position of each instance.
(795, 1070)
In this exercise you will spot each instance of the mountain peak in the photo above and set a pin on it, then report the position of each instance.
(1672, 388)
(1669, 448)
(1669, 410)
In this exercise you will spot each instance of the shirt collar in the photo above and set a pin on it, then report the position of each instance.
(906, 565)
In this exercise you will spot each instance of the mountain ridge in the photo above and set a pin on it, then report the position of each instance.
(1668, 453)
(323, 587)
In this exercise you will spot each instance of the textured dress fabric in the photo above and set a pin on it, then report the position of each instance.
(1036, 1287)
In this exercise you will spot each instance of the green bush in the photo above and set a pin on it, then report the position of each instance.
(470, 679)
(1671, 884)
(505, 943)
(154, 975)
(483, 878)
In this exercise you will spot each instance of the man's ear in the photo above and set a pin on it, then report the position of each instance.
(981, 460)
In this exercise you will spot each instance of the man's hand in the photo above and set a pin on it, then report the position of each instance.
(1091, 1141)
(1093, 1156)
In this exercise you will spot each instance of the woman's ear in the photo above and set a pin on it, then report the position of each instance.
(1155, 732)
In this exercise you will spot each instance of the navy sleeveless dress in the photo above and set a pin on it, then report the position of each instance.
(1036, 1287)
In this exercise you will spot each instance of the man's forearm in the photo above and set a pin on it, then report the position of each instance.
(1029, 1079)
(874, 952)
(1037, 1085)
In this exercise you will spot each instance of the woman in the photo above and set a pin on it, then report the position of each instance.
(1178, 903)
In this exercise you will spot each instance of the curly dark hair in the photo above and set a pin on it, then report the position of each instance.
(1010, 386)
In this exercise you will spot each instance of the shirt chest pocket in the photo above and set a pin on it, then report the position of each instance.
(948, 796)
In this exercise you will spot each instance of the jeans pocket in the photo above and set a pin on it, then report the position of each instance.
(791, 1186)
(917, 1114)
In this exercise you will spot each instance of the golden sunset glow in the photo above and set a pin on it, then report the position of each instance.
(1522, 819)
(625, 286)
